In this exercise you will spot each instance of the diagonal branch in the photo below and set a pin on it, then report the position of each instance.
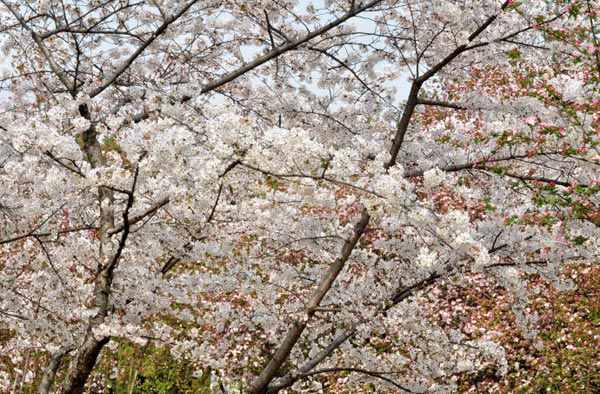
(290, 379)
(173, 260)
(277, 51)
(541, 179)
(308, 176)
(13, 315)
(274, 53)
(262, 382)
(398, 296)
(478, 164)
(436, 103)
(59, 160)
(49, 258)
(347, 67)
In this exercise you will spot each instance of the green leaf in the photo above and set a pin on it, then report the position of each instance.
(514, 54)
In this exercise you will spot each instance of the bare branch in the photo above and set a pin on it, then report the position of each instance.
(292, 378)
(269, 29)
(375, 374)
(169, 265)
(541, 179)
(315, 177)
(482, 165)
(272, 54)
(9, 314)
(399, 296)
(49, 258)
(214, 207)
(513, 264)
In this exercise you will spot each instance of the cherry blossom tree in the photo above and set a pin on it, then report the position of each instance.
(247, 184)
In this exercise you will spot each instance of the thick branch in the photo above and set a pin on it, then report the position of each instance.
(290, 379)
(294, 333)
(90, 348)
(402, 125)
(82, 364)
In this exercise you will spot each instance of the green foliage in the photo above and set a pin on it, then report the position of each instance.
(135, 369)
(514, 54)
(513, 6)
(579, 240)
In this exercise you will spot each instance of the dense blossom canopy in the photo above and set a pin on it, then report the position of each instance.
(274, 188)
